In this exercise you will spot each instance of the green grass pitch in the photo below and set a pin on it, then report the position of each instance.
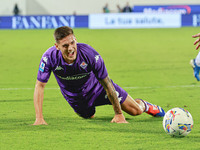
(152, 64)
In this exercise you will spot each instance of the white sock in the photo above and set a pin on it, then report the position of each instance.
(146, 106)
(197, 60)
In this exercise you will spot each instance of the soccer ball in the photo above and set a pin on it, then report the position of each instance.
(177, 122)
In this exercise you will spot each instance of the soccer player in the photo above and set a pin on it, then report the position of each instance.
(84, 82)
(195, 63)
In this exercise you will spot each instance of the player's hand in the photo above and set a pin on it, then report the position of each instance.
(119, 118)
(197, 41)
(40, 121)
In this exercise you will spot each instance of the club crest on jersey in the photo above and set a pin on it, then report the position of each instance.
(83, 65)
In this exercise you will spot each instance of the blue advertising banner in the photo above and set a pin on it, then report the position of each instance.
(191, 20)
(101, 21)
(42, 22)
(182, 9)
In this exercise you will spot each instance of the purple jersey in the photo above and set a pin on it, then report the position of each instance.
(78, 81)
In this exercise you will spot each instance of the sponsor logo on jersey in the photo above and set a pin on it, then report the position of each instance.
(59, 68)
(42, 65)
(74, 77)
(83, 65)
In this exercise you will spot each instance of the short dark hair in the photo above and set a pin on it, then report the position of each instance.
(62, 32)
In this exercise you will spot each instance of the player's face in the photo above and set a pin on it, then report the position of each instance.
(68, 47)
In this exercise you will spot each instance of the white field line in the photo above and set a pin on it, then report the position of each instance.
(153, 87)
(14, 89)
(158, 87)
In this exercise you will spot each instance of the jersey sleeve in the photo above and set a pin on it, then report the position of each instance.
(44, 71)
(99, 67)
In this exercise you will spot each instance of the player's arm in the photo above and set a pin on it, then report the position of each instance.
(112, 96)
(197, 41)
(38, 101)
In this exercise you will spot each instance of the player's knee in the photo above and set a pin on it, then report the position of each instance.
(86, 113)
(86, 116)
(139, 112)
(136, 112)
(92, 116)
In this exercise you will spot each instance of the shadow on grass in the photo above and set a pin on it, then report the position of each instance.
(75, 124)
(134, 118)
(9, 123)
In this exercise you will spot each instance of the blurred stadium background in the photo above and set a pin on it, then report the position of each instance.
(88, 14)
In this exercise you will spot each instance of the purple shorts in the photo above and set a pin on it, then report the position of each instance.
(86, 111)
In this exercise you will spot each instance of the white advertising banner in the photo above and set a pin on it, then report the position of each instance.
(134, 20)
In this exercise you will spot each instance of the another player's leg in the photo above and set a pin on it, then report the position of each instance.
(195, 63)
(195, 68)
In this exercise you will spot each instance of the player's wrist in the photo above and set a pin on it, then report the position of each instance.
(39, 117)
(120, 113)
